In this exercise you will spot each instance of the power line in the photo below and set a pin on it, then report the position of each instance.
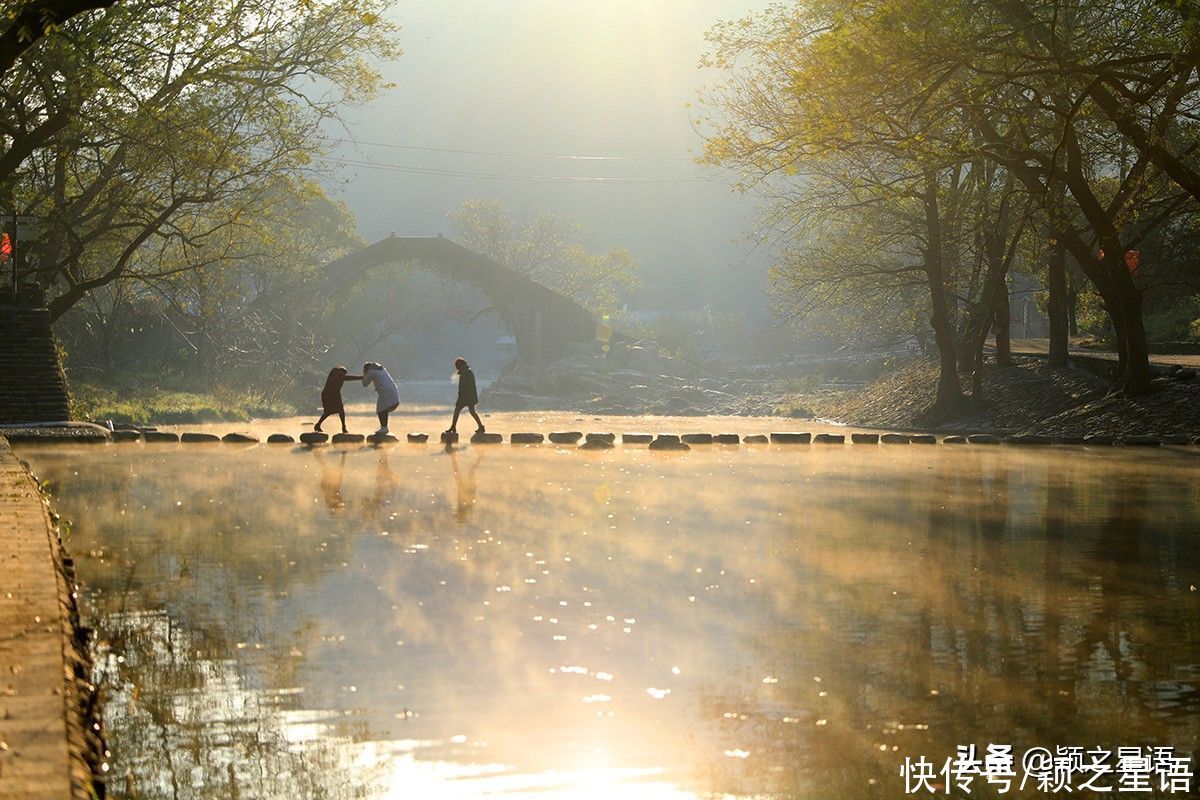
(454, 173)
(501, 154)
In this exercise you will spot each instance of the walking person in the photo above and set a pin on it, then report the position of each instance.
(331, 396)
(468, 395)
(385, 387)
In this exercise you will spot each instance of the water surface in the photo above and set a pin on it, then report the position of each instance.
(536, 622)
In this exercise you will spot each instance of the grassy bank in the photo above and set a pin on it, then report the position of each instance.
(1023, 398)
(149, 405)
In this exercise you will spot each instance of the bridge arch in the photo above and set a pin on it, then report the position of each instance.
(543, 322)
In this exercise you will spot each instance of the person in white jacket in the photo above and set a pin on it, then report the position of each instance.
(385, 387)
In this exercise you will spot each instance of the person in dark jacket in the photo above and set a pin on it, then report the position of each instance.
(468, 395)
(331, 396)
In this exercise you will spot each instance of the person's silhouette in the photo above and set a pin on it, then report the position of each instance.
(331, 396)
(468, 395)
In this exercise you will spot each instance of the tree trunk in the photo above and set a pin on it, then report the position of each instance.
(1056, 307)
(949, 390)
(1135, 372)
(1002, 327)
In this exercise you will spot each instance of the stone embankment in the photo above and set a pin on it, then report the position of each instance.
(32, 385)
(50, 746)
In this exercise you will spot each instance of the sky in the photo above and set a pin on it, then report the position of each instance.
(513, 83)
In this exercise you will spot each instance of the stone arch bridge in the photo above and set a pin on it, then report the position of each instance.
(543, 322)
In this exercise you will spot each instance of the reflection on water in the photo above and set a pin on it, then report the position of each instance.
(532, 622)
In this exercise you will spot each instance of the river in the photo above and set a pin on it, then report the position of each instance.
(274, 622)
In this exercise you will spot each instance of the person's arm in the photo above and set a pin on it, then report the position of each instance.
(349, 377)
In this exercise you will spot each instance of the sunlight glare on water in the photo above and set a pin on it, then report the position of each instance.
(537, 622)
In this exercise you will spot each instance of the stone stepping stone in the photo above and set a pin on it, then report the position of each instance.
(199, 438)
(418, 438)
(526, 438)
(829, 438)
(864, 438)
(726, 438)
(1141, 441)
(486, 438)
(755, 438)
(983, 438)
(596, 444)
(923, 438)
(565, 437)
(600, 437)
(380, 439)
(1099, 440)
(637, 438)
(448, 437)
(348, 438)
(894, 438)
(160, 436)
(280, 438)
(791, 438)
(954, 440)
(312, 437)
(239, 438)
(696, 438)
(668, 442)
(126, 436)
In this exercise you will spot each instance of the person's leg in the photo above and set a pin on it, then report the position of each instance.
(317, 427)
(342, 417)
(478, 421)
(383, 416)
(454, 422)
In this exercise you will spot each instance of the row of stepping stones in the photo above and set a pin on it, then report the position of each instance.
(601, 441)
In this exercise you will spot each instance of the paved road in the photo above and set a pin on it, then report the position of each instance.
(40, 756)
(1042, 346)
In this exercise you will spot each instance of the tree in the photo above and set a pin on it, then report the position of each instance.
(180, 121)
(27, 21)
(950, 85)
(549, 249)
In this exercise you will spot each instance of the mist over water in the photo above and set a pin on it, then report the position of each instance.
(768, 622)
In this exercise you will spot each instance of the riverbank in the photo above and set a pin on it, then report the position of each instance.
(1025, 398)
(154, 405)
(49, 748)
